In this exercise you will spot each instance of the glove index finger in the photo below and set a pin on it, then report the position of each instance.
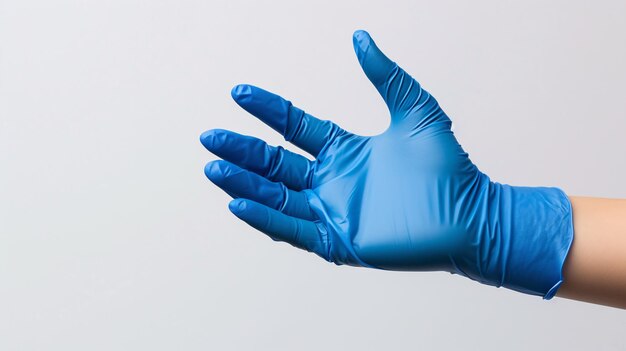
(300, 128)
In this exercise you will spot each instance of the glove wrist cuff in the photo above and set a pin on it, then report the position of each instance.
(534, 226)
(522, 240)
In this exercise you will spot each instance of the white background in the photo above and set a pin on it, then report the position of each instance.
(111, 237)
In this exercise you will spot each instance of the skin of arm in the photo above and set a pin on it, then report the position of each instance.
(595, 270)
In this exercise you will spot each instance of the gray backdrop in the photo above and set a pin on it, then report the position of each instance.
(111, 237)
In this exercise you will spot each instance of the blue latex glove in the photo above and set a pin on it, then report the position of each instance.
(407, 199)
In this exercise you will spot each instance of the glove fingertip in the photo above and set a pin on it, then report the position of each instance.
(208, 139)
(204, 136)
(375, 64)
(240, 92)
(214, 139)
(361, 41)
(237, 207)
(212, 171)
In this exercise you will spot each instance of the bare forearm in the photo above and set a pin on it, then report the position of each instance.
(595, 270)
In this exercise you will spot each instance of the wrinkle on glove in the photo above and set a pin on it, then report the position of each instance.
(407, 199)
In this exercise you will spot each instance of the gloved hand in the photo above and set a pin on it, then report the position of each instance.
(407, 199)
